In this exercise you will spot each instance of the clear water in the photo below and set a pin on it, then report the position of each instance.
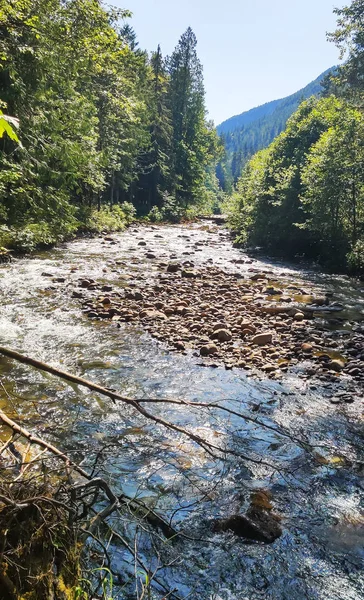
(321, 552)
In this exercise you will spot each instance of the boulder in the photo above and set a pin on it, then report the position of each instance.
(257, 525)
(173, 268)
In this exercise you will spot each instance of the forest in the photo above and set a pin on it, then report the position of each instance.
(304, 194)
(106, 131)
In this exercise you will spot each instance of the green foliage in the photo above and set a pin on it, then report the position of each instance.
(98, 120)
(8, 125)
(114, 218)
(305, 193)
(355, 258)
(349, 37)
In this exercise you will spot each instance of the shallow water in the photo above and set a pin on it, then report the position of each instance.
(320, 554)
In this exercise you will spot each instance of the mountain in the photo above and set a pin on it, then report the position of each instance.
(245, 134)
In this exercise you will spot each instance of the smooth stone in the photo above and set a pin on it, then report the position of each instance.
(262, 339)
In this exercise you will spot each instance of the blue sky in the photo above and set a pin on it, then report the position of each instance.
(252, 51)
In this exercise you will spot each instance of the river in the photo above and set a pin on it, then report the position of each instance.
(318, 495)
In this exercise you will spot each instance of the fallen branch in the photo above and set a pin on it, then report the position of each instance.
(136, 404)
(134, 505)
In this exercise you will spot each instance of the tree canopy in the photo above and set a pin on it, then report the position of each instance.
(101, 122)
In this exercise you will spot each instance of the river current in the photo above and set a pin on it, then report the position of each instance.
(319, 495)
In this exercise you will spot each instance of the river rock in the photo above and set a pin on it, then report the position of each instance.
(298, 316)
(208, 349)
(179, 345)
(262, 339)
(257, 525)
(223, 335)
(336, 365)
(272, 291)
(273, 309)
(173, 267)
(189, 273)
(152, 314)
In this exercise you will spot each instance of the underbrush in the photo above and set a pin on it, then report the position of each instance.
(43, 234)
(40, 554)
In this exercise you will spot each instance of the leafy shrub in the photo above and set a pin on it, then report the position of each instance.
(355, 258)
(33, 235)
(155, 215)
(171, 210)
(113, 218)
(129, 211)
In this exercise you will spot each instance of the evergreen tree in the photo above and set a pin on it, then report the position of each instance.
(194, 141)
(154, 180)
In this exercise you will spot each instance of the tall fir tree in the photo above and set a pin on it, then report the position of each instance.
(193, 140)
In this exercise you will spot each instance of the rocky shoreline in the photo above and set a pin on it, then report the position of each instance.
(254, 322)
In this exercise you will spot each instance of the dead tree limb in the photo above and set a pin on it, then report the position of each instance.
(209, 447)
(135, 506)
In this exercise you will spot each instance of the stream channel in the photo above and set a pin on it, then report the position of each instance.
(320, 502)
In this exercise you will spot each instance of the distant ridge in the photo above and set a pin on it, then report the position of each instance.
(278, 108)
(245, 134)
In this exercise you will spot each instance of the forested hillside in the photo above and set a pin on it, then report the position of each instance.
(105, 130)
(245, 134)
(305, 192)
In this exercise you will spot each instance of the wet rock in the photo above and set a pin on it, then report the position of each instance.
(257, 525)
(150, 255)
(272, 291)
(263, 339)
(355, 371)
(336, 365)
(179, 345)
(85, 283)
(142, 243)
(208, 350)
(307, 348)
(189, 273)
(173, 267)
(269, 368)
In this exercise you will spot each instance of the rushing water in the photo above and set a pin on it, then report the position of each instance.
(320, 554)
